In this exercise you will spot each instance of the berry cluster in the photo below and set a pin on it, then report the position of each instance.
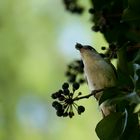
(107, 18)
(101, 23)
(111, 52)
(73, 7)
(65, 101)
(75, 72)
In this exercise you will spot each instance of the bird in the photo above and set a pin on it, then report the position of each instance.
(99, 73)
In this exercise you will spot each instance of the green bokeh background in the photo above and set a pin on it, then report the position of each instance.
(37, 39)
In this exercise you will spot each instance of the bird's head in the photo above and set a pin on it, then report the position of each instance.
(87, 52)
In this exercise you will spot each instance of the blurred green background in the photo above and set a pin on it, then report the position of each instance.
(37, 39)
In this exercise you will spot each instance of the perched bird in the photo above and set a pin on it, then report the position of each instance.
(99, 73)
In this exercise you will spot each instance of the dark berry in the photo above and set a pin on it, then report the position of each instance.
(112, 46)
(68, 73)
(80, 93)
(103, 48)
(91, 11)
(76, 86)
(78, 61)
(81, 64)
(60, 91)
(54, 96)
(65, 114)
(103, 29)
(66, 91)
(57, 105)
(69, 66)
(61, 98)
(80, 10)
(59, 113)
(96, 28)
(71, 114)
(76, 68)
(54, 104)
(81, 81)
(65, 86)
(72, 78)
(81, 109)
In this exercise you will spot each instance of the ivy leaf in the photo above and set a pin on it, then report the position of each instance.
(99, 4)
(134, 35)
(131, 16)
(131, 97)
(134, 4)
(112, 126)
(109, 93)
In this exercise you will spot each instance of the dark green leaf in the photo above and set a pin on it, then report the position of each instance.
(134, 35)
(109, 93)
(112, 126)
(132, 16)
(99, 4)
(134, 4)
(131, 97)
(132, 13)
(132, 131)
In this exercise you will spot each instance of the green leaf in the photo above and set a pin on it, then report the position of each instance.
(109, 93)
(132, 131)
(132, 13)
(135, 36)
(134, 4)
(112, 126)
(131, 97)
(99, 4)
(131, 16)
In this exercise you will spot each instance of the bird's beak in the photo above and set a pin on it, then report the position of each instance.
(78, 46)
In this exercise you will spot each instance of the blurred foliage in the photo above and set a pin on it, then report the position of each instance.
(33, 54)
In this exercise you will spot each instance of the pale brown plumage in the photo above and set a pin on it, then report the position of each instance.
(99, 73)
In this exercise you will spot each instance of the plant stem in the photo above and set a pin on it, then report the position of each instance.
(93, 93)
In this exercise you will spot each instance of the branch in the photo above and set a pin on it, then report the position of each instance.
(93, 93)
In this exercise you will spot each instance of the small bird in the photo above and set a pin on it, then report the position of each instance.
(99, 73)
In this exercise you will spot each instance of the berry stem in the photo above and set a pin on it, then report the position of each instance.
(93, 93)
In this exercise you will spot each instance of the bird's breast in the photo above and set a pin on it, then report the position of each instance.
(99, 75)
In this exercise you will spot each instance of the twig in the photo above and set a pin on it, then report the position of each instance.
(93, 93)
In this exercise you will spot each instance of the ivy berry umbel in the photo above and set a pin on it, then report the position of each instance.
(73, 6)
(65, 101)
(75, 72)
(65, 98)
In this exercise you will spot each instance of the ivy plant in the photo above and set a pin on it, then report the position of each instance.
(119, 22)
